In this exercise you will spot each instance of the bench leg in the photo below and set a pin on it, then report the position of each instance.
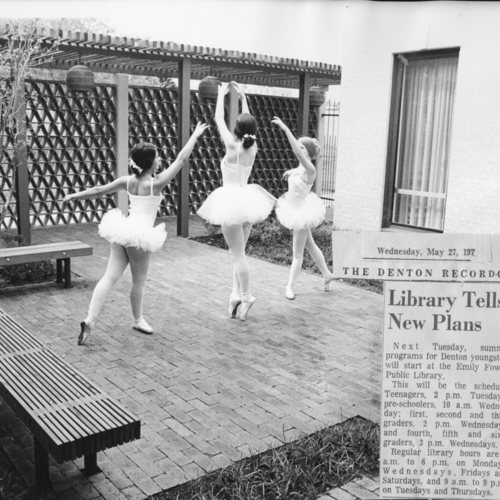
(67, 273)
(90, 464)
(59, 270)
(41, 467)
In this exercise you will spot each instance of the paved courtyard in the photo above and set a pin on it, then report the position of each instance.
(208, 389)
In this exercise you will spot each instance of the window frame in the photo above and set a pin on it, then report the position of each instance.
(395, 125)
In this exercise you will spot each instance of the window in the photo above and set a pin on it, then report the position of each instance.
(419, 142)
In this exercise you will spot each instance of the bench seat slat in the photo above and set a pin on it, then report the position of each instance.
(62, 375)
(9, 383)
(78, 425)
(17, 343)
(51, 422)
(31, 253)
(35, 383)
(121, 417)
(49, 374)
(36, 368)
(42, 247)
(18, 340)
(120, 410)
(80, 384)
(107, 420)
(11, 380)
(95, 441)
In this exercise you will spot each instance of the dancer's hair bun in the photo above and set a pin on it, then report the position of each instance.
(245, 129)
(312, 146)
(317, 147)
(248, 140)
(134, 168)
(142, 157)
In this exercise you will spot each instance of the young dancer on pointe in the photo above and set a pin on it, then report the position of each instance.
(300, 210)
(236, 205)
(133, 238)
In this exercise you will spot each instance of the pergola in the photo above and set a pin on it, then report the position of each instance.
(128, 56)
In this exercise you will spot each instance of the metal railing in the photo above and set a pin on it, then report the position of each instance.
(328, 136)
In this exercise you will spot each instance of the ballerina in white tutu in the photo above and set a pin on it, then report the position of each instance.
(300, 209)
(133, 238)
(236, 205)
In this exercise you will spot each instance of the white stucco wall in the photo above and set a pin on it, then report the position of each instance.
(372, 33)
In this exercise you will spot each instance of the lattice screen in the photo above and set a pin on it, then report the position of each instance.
(6, 181)
(153, 118)
(275, 154)
(204, 173)
(71, 141)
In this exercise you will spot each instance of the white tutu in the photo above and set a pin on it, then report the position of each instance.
(234, 204)
(300, 213)
(131, 232)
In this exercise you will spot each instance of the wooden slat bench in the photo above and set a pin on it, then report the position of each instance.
(66, 413)
(62, 252)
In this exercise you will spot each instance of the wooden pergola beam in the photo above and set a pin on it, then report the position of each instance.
(117, 54)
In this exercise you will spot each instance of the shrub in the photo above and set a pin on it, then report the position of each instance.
(32, 272)
(271, 241)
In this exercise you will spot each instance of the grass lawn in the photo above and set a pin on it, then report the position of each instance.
(302, 469)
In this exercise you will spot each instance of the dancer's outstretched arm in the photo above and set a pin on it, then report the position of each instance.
(241, 93)
(303, 159)
(97, 191)
(226, 135)
(163, 178)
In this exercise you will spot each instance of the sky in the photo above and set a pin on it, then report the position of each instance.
(299, 29)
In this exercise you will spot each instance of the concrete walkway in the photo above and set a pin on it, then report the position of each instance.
(208, 389)
(363, 488)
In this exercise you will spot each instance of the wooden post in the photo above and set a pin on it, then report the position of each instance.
(303, 111)
(22, 174)
(90, 464)
(320, 134)
(122, 136)
(184, 118)
(42, 479)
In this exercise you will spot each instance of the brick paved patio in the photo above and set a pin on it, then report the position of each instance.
(208, 389)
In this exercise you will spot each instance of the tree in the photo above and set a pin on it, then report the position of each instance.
(21, 48)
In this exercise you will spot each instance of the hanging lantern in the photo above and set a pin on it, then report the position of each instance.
(209, 87)
(316, 96)
(80, 78)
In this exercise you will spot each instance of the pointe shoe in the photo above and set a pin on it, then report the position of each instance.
(289, 294)
(141, 325)
(246, 304)
(84, 333)
(326, 282)
(234, 303)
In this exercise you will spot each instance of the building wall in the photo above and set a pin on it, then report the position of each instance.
(372, 33)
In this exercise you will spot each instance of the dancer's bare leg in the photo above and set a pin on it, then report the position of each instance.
(236, 237)
(319, 259)
(236, 282)
(117, 262)
(139, 267)
(299, 243)
(235, 298)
